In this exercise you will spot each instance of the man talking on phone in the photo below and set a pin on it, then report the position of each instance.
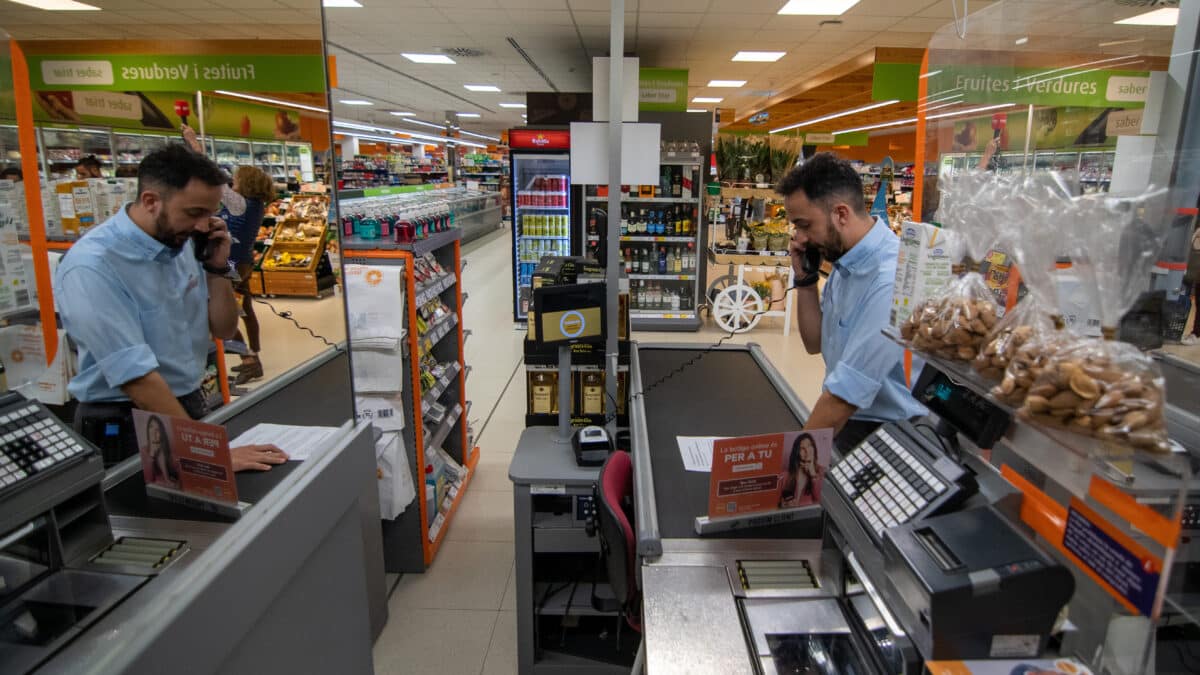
(142, 304)
(864, 375)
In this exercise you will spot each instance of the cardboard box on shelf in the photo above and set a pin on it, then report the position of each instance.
(922, 267)
(24, 356)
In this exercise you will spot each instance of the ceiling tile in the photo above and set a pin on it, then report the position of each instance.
(721, 20)
(674, 6)
(665, 20)
(531, 16)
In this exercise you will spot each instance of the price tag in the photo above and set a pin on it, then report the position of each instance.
(548, 489)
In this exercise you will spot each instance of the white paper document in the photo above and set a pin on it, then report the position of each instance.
(697, 452)
(298, 442)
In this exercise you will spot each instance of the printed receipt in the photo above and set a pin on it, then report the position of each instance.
(697, 452)
(298, 442)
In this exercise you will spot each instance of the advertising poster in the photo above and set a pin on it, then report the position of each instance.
(166, 111)
(772, 471)
(185, 455)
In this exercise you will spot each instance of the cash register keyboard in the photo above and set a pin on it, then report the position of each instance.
(32, 441)
(886, 482)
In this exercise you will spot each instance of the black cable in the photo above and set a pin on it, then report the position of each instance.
(562, 635)
(710, 349)
(937, 436)
(288, 316)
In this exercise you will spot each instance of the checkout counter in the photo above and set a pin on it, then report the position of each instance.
(918, 553)
(96, 577)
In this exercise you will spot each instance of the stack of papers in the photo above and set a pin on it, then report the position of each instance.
(298, 442)
(697, 452)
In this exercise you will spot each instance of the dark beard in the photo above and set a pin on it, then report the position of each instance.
(834, 248)
(163, 235)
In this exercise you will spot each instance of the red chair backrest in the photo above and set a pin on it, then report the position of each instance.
(616, 533)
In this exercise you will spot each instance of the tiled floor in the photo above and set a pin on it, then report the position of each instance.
(459, 617)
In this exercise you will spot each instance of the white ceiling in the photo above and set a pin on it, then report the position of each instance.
(560, 36)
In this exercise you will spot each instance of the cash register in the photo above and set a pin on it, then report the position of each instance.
(60, 567)
(931, 569)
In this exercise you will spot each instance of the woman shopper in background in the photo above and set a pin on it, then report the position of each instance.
(242, 208)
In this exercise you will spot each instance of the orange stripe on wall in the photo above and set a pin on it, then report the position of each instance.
(33, 200)
(331, 68)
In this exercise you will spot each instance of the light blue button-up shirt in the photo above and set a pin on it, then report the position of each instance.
(132, 305)
(862, 367)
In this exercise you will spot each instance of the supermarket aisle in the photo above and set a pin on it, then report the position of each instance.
(469, 591)
(284, 345)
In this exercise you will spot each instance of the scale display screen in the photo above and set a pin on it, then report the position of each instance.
(971, 414)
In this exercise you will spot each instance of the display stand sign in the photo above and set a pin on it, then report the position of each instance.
(762, 480)
(187, 462)
(1123, 567)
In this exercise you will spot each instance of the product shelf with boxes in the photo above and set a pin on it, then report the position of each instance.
(662, 241)
(419, 218)
(438, 450)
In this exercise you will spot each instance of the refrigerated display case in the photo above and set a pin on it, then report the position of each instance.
(64, 147)
(10, 149)
(662, 242)
(541, 205)
(269, 157)
(132, 147)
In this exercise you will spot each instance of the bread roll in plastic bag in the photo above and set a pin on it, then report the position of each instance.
(1109, 390)
(1027, 321)
(954, 323)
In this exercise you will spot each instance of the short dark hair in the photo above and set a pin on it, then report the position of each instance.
(90, 162)
(174, 166)
(822, 177)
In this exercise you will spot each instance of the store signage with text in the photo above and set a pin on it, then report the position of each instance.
(1072, 85)
(663, 89)
(1124, 123)
(534, 139)
(818, 138)
(133, 72)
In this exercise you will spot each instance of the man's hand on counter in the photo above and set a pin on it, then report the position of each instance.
(256, 457)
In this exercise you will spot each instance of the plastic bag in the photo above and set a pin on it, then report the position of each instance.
(1028, 363)
(1105, 388)
(1109, 390)
(1028, 320)
(953, 324)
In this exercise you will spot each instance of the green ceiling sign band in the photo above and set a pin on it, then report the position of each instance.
(895, 81)
(1082, 87)
(398, 190)
(854, 138)
(134, 72)
(663, 89)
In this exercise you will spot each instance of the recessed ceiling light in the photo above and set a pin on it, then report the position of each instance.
(697, 110)
(836, 115)
(340, 3)
(817, 7)
(58, 5)
(707, 99)
(1021, 40)
(401, 113)
(512, 105)
(764, 57)
(1166, 16)
(731, 84)
(355, 101)
(429, 58)
(467, 114)
(482, 87)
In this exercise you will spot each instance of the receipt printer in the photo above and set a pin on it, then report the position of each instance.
(973, 587)
(592, 446)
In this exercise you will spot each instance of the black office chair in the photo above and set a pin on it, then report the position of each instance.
(613, 523)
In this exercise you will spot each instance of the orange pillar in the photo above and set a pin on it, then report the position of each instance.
(33, 199)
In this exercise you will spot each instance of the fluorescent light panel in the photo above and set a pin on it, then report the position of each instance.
(697, 110)
(482, 87)
(520, 106)
(1165, 16)
(272, 101)
(340, 3)
(485, 137)
(1021, 40)
(402, 113)
(355, 101)
(817, 7)
(467, 114)
(387, 130)
(843, 113)
(429, 58)
(730, 84)
(58, 5)
(707, 99)
(759, 57)
(913, 120)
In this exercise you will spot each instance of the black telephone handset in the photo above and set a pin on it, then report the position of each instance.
(810, 265)
(201, 246)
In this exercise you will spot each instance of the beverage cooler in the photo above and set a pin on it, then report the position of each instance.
(540, 162)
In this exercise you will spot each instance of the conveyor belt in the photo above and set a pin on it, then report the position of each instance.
(725, 393)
